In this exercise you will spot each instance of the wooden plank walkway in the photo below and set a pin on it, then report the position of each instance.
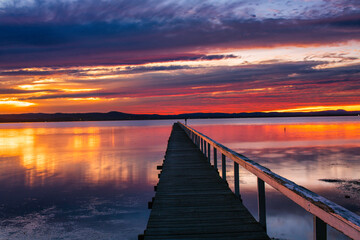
(193, 202)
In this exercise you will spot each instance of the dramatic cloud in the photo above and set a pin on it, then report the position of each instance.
(179, 55)
(38, 33)
(76, 95)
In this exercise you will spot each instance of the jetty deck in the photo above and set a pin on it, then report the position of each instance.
(193, 202)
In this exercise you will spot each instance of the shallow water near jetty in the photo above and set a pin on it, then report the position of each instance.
(92, 180)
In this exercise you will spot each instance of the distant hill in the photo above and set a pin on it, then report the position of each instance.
(110, 116)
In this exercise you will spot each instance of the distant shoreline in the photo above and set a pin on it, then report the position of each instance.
(117, 116)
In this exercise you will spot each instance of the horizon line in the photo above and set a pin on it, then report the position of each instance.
(189, 113)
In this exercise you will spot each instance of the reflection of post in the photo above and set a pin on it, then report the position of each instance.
(185, 121)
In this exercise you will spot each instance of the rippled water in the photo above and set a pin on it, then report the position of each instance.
(92, 180)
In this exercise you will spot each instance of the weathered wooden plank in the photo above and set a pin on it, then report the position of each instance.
(194, 218)
(193, 202)
(199, 229)
(215, 236)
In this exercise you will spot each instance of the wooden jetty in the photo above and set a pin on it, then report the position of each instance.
(193, 202)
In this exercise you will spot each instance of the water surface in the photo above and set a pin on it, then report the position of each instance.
(319, 153)
(92, 180)
(79, 180)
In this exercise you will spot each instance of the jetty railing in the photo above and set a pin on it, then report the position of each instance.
(324, 211)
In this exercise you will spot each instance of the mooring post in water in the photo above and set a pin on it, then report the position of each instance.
(261, 203)
(223, 164)
(319, 229)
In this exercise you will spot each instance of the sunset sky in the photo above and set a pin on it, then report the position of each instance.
(179, 56)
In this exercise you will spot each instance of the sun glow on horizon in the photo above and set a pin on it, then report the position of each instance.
(214, 80)
(319, 109)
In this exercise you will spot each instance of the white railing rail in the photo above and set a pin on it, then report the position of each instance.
(323, 210)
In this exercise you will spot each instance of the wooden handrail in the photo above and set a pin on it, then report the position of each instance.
(331, 213)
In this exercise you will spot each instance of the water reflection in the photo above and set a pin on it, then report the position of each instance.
(92, 180)
(304, 153)
(77, 182)
(95, 154)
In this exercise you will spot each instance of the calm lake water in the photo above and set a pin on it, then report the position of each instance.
(92, 180)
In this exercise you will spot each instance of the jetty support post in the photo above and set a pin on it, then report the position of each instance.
(205, 147)
(261, 203)
(208, 148)
(223, 164)
(236, 180)
(319, 229)
(215, 158)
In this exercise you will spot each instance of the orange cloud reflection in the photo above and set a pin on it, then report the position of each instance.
(89, 154)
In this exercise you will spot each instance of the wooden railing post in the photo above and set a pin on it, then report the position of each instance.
(319, 229)
(205, 149)
(208, 148)
(215, 158)
(236, 179)
(223, 164)
(261, 203)
(202, 145)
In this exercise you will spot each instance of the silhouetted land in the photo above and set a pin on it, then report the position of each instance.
(111, 116)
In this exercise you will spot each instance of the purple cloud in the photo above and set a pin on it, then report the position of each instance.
(66, 33)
